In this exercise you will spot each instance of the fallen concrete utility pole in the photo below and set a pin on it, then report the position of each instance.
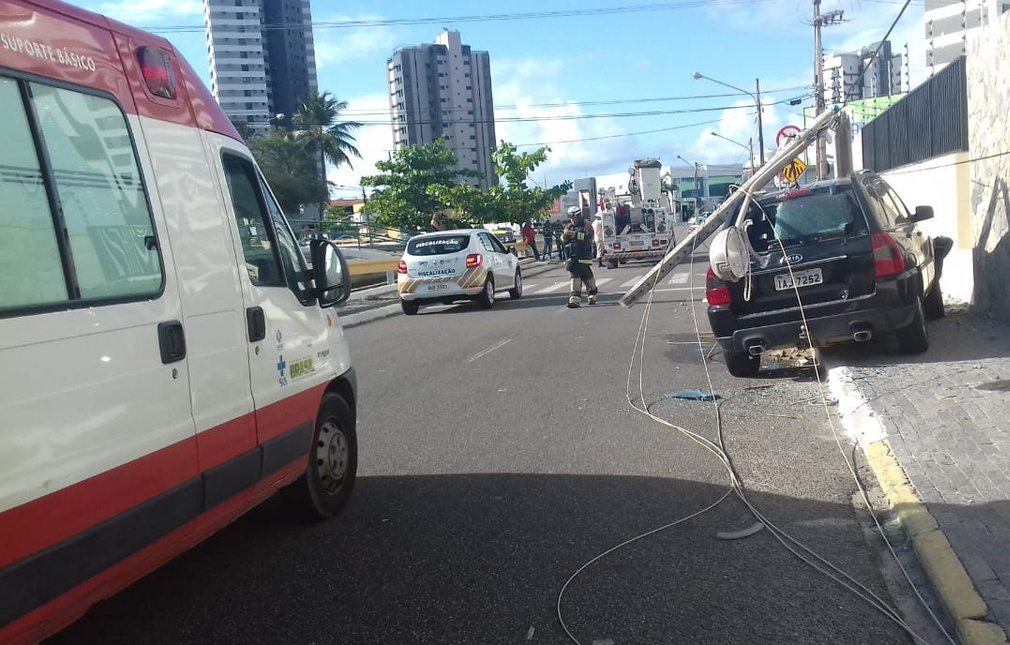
(766, 173)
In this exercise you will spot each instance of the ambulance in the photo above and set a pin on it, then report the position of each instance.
(168, 357)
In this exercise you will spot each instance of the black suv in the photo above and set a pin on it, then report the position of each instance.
(861, 264)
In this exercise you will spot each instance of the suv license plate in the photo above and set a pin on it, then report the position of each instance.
(806, 278)
(438, 287)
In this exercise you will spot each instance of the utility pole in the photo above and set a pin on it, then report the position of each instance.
(820, 20)
(761, 130)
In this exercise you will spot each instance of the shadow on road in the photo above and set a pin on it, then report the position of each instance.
(480, 559)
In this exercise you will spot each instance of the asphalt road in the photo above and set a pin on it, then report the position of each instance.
(498, 453)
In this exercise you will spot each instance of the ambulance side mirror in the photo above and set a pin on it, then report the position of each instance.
(330, 272)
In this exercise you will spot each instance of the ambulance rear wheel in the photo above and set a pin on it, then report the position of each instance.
(323, 491)
(611, 264)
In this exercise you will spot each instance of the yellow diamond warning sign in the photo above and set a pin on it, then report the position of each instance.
(794, 170)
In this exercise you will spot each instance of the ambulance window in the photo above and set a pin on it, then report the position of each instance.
(291, 256)
(31, 270)
(98, 184)
(254, 231)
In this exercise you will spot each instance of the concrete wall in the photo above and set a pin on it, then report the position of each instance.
(944, 184)
(989, 143)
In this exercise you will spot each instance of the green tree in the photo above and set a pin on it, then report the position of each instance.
(244, 130)
(323, 135)
(405, 196)
(290, 170)
(318, 127)
(517, 201)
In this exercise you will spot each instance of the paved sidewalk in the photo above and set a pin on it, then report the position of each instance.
(947, 416)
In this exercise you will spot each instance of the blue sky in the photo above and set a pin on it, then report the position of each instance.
(566, 62)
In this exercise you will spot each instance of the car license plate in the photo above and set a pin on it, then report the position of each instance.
(438, 287)
(806, 278)
(637, 243)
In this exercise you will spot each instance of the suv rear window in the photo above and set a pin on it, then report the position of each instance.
(806, 216)
(438, 245)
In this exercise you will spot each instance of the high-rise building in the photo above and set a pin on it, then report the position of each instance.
(440, 90)
(262, 58)
(882, 76)
(947, 24)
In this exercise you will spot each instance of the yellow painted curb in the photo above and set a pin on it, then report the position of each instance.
(953, 585)
(977, 632)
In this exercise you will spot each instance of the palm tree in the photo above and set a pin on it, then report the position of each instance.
(317, 127)
(319, 131)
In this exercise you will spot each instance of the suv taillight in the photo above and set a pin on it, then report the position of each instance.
(716, 291)
(402, 267)
(474, 260)
(888, 257)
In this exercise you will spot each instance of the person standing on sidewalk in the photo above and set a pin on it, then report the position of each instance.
(598, 238)
(530, 237)
(548, 239)
(578, 238)
(558, 242)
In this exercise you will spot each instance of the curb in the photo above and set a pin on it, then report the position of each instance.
(369, 315)
(953, 586)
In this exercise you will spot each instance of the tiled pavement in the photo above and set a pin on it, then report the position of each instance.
(947, 415)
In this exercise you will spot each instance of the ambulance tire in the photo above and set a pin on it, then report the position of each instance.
(322, 492)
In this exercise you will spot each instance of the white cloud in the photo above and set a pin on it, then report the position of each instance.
(147, 12)
(336, 46)
(374, 141)
(530, 83)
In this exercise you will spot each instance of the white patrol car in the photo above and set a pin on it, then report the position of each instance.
(469, 264)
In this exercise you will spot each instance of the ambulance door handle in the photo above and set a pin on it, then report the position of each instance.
(171, 341)
(256, 323)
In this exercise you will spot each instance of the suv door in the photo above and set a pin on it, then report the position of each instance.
(911, 236)
(289, 358)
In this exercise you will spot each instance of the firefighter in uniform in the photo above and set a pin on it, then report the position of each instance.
(578, 238)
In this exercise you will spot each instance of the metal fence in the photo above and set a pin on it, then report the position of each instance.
(931, 121)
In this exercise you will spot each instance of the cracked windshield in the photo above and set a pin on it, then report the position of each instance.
(612, 323)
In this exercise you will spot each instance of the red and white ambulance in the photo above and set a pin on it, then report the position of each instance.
(167, 358)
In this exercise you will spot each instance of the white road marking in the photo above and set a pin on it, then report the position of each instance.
(557, 286)
(603, 281)
(679, 278)
(631, 282)
(489, 350)
(529, 634)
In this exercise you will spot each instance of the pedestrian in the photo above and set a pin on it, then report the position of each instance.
(530, 237)
(598, 237)
(558, 242)
(548, 241)
(578, 238)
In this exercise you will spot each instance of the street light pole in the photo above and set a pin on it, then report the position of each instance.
(697, 189)
(749, 147)
(757, 102)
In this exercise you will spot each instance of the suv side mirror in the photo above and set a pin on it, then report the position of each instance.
(922, 213)
(330, 273)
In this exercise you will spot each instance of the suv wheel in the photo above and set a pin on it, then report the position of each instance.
(933, 304)
(409, 307)
(913, 337)
(742, 364)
